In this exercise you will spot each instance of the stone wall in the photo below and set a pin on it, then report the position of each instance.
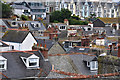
(108, 64)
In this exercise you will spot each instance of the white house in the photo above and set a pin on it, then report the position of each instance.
(4, 46)
(21, 39)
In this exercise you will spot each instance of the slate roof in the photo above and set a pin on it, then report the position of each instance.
(77, 50)
(109, 31)
(98, 23)
(62, 63)
(31, 28)
(3, 44)
(16, 69)
(49, 43)
(80, 66)
(20, 7)
(15, 36)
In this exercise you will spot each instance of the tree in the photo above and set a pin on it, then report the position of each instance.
(24, 17)
(6, 10)
(60, 15)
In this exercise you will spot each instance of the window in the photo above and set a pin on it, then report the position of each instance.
(62, 27)
(31, 62)
(3, 63)
(88, 64)
(112, 11)
(89, 29)
(13, 23)
(37, 25)
(71, 6)
(81, 48)
(93, 65)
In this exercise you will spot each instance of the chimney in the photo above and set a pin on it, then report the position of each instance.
(43, 49)
(118, 50)
(66, 21)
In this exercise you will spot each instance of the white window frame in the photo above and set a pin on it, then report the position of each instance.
(5, 63)
(95, 64)
(28, 61)
(88, 64)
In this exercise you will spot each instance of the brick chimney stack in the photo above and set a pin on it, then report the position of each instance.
(118, 50)
(43, 49)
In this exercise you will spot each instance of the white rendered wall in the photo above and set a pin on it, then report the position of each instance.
(28, 43)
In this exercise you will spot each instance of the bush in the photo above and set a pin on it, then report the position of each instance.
(77, 22)
(24, 17)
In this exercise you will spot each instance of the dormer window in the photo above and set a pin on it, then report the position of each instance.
(3, 63)
(31, 62)
(93, 65)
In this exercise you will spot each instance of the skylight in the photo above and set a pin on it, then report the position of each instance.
(81, 48)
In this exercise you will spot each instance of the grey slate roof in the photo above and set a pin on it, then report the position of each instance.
(16, 69)
(76, 50)
(49, 43)
(109, 31)
(31, 28)
(15, 36)
(80, 66)
(3, 44)
(19, 7)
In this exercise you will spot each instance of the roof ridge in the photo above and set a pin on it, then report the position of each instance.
(18, 29)
(70, 54)
(18, 51)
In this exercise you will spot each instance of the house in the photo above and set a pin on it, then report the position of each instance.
(54, 47)
(84, 64)
(32, 9)
(4, 46)
(21, 39)
(111, 22)
(60, 26)
(98, 23)
(23, 65)
(36, 27)
(85, 42)
(71, 43)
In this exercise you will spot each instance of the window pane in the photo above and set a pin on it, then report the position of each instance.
(32, 60)
(33, 64)
(1, 62)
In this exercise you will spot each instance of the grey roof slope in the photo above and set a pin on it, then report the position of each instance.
(15, 36)
(19, 7)
(109, 31)
(48, 42)
(16, 68)
(3, 44)
(76, 50)
(79, 65)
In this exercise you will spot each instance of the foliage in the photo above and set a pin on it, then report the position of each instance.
(24, 17)
(77, 22)
(55, 21)
(6, 10)
(75, 17)
(60, 15)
